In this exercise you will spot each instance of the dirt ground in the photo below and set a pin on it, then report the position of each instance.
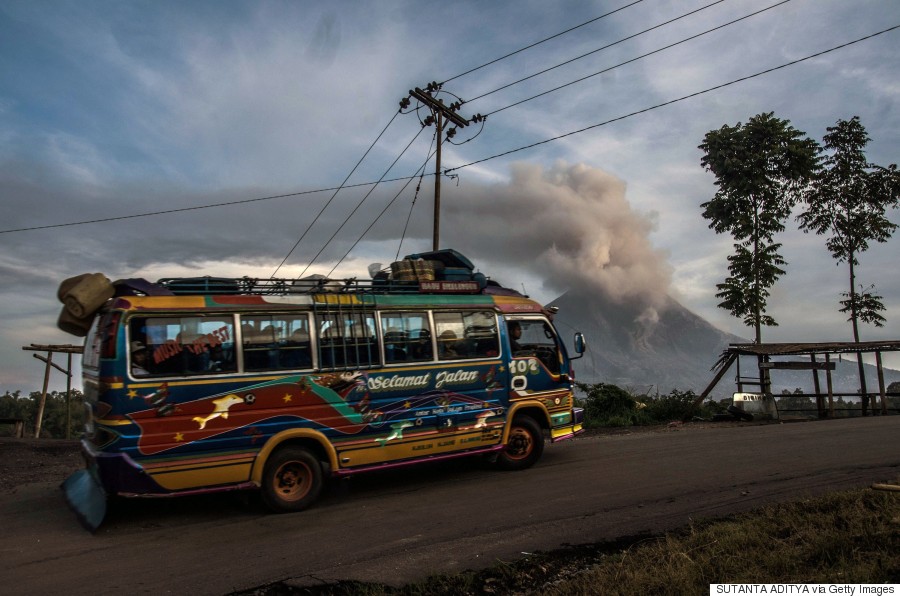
(23, 461)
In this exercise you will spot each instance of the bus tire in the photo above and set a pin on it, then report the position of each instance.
(292, 480)
(524, 445)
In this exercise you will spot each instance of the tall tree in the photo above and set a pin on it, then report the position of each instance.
(849, 199)
(761, 168)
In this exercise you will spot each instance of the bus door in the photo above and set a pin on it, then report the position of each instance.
(469, 369)
(538, 365)
(434, 395)
(442, 366)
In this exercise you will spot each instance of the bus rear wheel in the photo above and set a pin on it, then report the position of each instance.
(292, 480)
(524, 445)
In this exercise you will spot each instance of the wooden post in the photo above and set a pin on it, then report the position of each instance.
(863, 391)
(830, 387)
(725, 366)
(40, 412)
(881, 384)
(69, 398)
(48, 362)
(820, 402)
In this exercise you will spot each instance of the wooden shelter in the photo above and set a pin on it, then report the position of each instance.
(765, 352)
(48, 361)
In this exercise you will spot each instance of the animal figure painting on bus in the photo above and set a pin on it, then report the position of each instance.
(338, 402)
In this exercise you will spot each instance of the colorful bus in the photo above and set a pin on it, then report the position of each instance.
(211, 384)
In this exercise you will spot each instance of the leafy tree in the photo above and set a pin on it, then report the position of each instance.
(761, 168)
(849, 199)
(14, 405)
(795, 401)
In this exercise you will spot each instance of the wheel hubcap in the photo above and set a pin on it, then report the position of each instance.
(293, 480)
(520, 444)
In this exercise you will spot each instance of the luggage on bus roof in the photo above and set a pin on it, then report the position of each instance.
(447, 256)
(201, 285)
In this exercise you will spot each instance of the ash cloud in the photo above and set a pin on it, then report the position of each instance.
(574, 223)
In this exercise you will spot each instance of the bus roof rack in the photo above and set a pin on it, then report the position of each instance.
(278, 286)
(437, 272)
(284, 286)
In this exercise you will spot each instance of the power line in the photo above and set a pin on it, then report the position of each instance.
(167, 211)
(528, 47)
(402, 178)
(413, 204)
(197, 207)
(327, 203)
(358, 205)
(421, 173)
(600, 49)
(641, 57)
(763, 72)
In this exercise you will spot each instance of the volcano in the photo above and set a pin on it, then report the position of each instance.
(649, 350)
(640, 349)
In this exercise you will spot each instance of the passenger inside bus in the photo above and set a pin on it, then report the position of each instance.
(447, 345)
(297, 352)
(138, 359)
(394, 343)
(420, 345)
(515, 334)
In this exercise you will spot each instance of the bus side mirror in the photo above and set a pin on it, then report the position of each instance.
(579, 345)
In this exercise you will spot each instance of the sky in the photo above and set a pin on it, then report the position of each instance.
(120, 109)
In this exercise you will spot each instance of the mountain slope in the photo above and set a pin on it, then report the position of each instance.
(646, 350)
(632, 346)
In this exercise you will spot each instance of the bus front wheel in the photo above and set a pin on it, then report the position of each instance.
(292, 480)
(524, 445)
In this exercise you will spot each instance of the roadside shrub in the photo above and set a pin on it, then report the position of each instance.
(611, 406)
(608, 405)
(677, 405)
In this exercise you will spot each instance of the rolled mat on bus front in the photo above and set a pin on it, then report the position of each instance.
(87, 295)
(75, 326)
(68, 284)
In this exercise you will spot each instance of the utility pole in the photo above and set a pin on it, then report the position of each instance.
(436, 237)
(440, 115)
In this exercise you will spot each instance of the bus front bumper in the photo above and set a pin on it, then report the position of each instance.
(567, 424)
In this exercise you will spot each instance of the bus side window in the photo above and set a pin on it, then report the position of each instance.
(276, 342)
(138, 348)
(297, 352)
(177, 346)
(359, 339)
(464, 335)
(407, 337)
(538, 339)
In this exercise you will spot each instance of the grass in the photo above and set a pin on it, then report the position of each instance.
(846, 537)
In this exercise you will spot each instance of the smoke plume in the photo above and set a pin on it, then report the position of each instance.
(573, 223)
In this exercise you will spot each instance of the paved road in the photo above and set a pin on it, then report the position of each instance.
(397, 527)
